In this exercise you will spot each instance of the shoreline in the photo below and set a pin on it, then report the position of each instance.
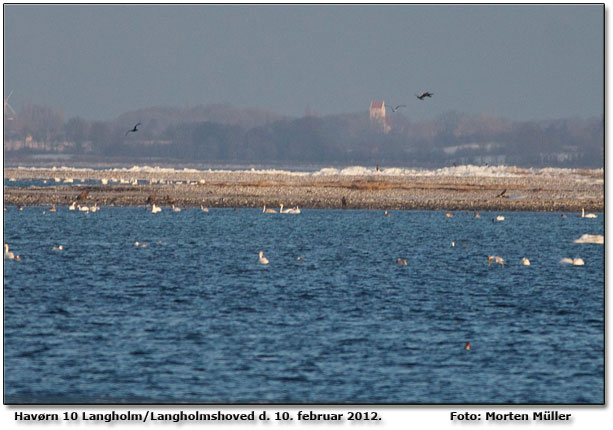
(527, 191)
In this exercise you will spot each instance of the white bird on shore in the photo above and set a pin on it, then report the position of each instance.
(263, 260)
(588, 215)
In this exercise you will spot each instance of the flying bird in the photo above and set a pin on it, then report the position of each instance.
(394, 109)
(134, 130)
(502, 193)
(424, 95)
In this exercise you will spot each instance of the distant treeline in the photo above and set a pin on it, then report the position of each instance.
(225, 134)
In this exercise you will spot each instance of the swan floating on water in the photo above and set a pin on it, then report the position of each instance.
(477, 215)
(525, 261)
(588, 215)
(204, 209)
(500, 218)
(73, 206)
(495, 259)
(401, 262)
(591, 238)
(263, 260)
(573, 261)
(139, 244)
(8, 254)
(449, 215)
(58, 248)
(295, 210)
(268, 211)
(155, 209)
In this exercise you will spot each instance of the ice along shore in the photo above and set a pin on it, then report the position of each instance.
(462, 188)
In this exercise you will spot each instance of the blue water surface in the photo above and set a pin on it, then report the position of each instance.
(193, 317)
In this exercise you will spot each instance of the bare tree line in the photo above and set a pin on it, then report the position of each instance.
(223, 133)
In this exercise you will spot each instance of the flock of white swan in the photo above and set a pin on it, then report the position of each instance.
(584, 239)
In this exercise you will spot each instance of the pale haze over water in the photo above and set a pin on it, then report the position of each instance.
(521, 62)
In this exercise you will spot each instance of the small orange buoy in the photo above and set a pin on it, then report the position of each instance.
(467, 346)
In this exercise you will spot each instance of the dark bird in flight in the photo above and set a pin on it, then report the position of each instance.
(394, 109)
(134, 130)
(502, 194)
(424, 95)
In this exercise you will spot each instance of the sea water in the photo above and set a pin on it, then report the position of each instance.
(194, 317)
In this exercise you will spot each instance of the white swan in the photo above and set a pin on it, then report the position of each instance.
(588, 215)
(104, 181)
(295, 210)
(500, 218)
(8, 254)
(495, 259)
(58, 248)
(83, 208)
(263, 260)
(94, 208)
(525, 261)
(52, 209)
(176, 209)
(401, 261)
(204, 209)
(591, 238)
(573, 261)
(268, 211)
(139, 244)
(155, 209)
(449, 215)
(73, 206)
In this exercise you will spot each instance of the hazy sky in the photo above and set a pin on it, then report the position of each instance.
(516, 61)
